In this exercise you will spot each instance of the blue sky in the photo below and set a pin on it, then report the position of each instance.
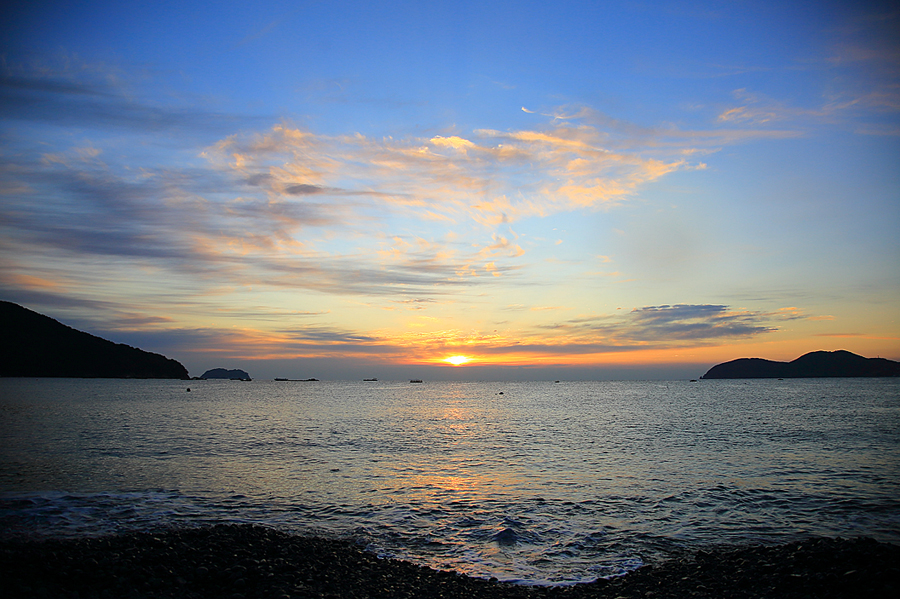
(347, 189)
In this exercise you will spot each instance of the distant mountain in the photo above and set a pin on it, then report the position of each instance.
(839, 363)
(32, 344)
(221, 373)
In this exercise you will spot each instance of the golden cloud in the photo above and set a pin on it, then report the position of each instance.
(500, 178)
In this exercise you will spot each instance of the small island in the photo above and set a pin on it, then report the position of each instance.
(840, 363)
(223, 373)
(34, 345)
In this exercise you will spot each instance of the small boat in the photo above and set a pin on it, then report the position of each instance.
(370, 380)
(415, 380)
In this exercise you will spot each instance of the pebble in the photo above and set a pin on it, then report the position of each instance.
(249, 562)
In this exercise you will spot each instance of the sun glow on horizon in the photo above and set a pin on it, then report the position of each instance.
(457, 360)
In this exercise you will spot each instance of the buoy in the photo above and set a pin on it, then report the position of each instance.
(188, 388)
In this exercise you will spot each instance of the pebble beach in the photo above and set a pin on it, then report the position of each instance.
(248, 561)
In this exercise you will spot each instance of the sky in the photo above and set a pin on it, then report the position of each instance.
(455, 190)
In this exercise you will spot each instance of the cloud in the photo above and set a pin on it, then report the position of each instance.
(841, 109)
(647, 328)
(861, 69)
(839, 335)
(668, 140)
(455, 142)
(695, 322)
(301, 189)
(68, 93)
(493, 178)
(757, 109)
(671, 325)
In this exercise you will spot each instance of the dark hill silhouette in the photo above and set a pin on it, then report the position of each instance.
(222, 373)
(36, 345)
(839, 363)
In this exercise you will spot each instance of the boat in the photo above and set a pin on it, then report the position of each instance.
(370, 380)
(415, 380)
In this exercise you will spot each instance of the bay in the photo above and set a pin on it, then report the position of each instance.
(534, 482)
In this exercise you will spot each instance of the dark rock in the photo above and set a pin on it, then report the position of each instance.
(34, 345)
(222, 373)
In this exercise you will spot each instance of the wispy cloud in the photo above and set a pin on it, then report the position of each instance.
(69, 93)
(862, 90)
(695, 322)
(663, 326)
(494, 177)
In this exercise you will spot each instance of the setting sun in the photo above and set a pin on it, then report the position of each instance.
(457, 360)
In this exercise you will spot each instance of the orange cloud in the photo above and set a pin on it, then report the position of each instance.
(414, 174)
(32, 282)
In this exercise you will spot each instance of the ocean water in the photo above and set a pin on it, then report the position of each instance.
(534, 482)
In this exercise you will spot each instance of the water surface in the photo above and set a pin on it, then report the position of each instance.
(535, 482)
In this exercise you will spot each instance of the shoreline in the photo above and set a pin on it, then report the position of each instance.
(243, 561)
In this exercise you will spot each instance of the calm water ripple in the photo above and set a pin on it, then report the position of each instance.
(540, 483)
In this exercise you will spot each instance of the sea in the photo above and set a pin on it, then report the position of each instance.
(532, 482)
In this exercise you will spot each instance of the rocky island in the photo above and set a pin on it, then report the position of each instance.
(839, 363)
(223, 373)
(34, 345)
